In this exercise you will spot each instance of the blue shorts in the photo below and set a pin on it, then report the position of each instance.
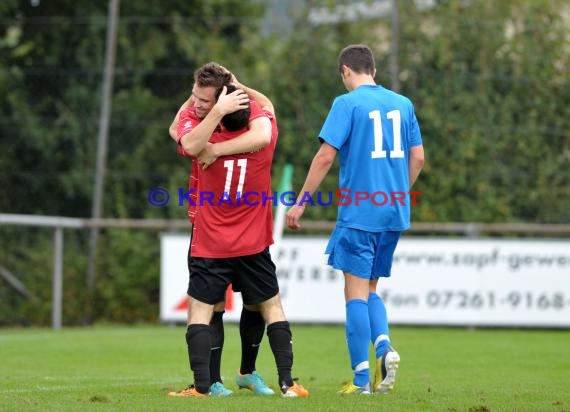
(364, 254)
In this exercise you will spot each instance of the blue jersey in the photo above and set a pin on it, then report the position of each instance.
(373, 130)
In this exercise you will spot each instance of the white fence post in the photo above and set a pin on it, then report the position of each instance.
(57, 277)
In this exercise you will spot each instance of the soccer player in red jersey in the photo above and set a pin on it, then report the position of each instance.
(230, 244)
(209, 80)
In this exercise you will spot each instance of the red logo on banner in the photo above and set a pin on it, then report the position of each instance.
(183, 305)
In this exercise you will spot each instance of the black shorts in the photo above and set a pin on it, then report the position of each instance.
(253, 275)
(235, 287)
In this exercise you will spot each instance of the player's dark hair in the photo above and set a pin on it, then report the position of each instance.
(238, 119)
(357, 57)
(212, 75)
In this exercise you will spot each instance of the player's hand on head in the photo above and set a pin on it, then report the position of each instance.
(229, 103)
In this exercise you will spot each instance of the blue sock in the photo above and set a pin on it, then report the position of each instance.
(358, 338)
(379, 331)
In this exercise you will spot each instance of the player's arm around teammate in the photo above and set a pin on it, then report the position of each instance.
(255, 140)
(172, 130)
(196, 139)
(258, 136)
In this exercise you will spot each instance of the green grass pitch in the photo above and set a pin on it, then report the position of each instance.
(112, 368)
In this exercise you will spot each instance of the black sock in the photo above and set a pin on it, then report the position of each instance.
(217, 331)
(279, 334)
(251, 328)
(199, 342)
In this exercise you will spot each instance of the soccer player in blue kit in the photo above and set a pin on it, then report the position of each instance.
(378, 139)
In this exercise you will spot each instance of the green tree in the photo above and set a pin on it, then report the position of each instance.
(51, 72)
(489, 83)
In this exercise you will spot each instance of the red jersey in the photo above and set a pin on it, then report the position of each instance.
(234, 202)
(186, 122)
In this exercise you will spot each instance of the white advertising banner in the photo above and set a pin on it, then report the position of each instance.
(435, 281)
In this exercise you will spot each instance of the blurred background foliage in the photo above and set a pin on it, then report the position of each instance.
(489, 81)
